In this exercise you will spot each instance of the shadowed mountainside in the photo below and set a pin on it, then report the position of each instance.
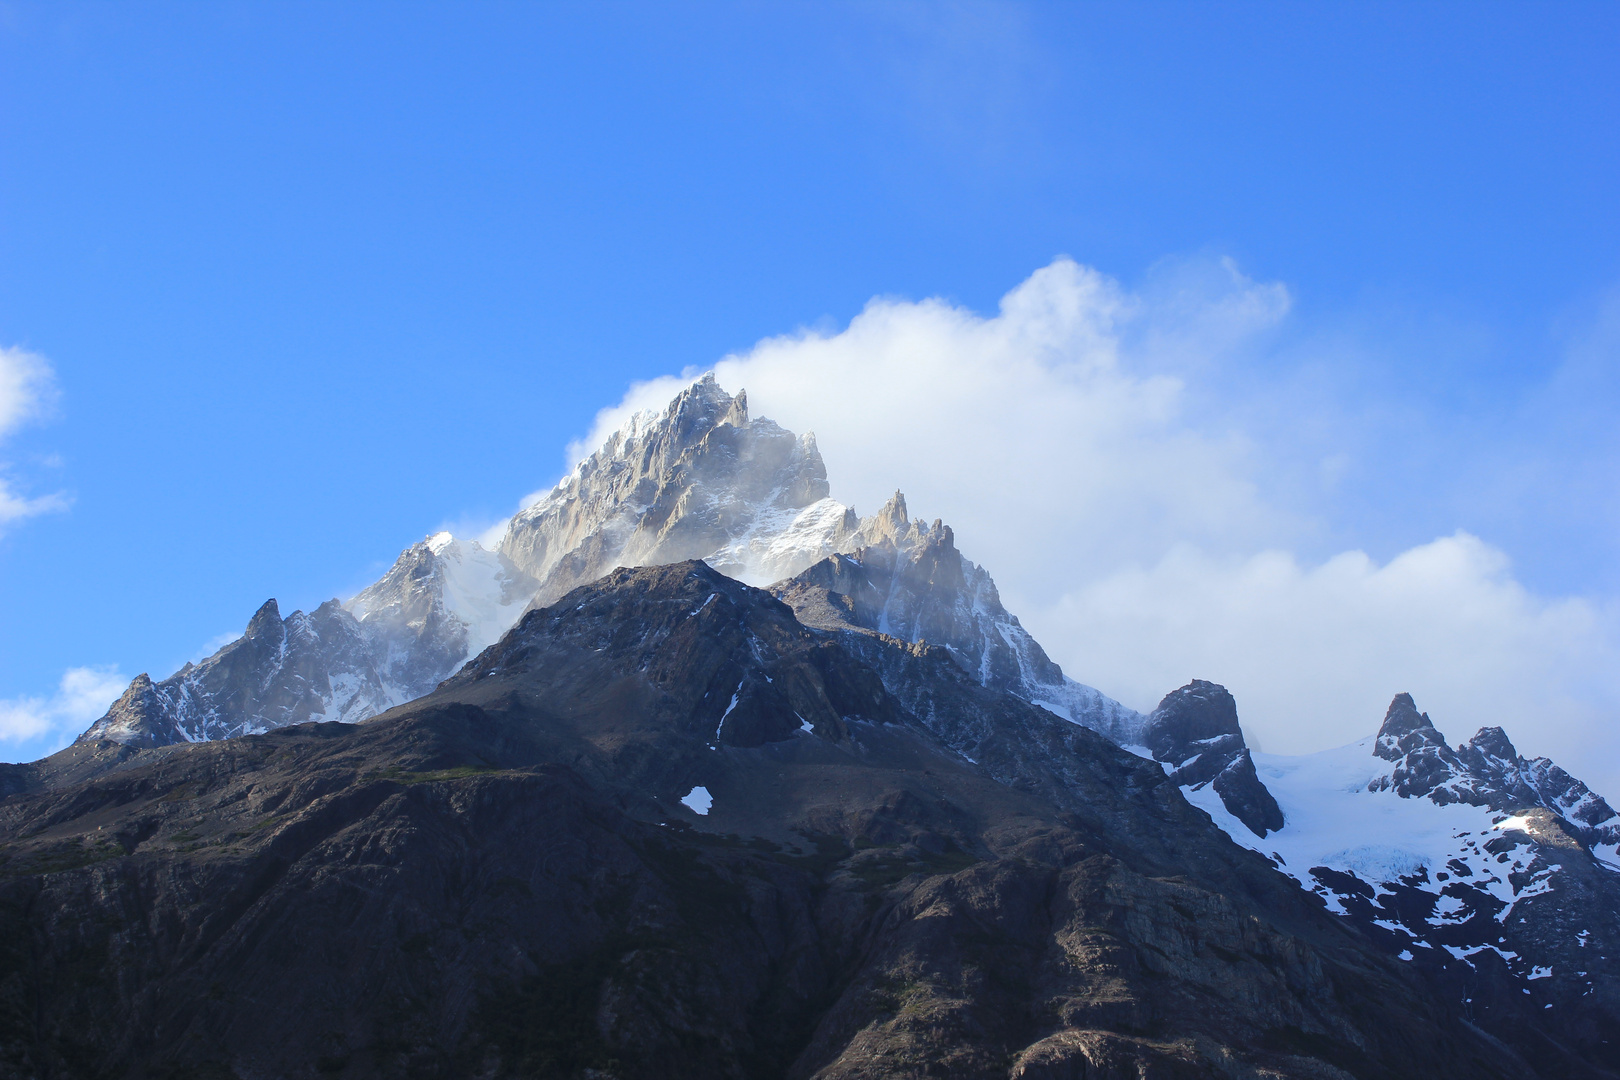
(502, 879)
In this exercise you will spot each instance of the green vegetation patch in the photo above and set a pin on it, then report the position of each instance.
(893, 866)
(409, 776)
(69, 855)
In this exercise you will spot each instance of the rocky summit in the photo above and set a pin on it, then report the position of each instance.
(697, 772)
(699, 479)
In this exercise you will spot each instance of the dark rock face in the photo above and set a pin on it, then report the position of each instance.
(1537, 963)
(1195, 733)
(913, 585)
(1511, 905)
(501, 880)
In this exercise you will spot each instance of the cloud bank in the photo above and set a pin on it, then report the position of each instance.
(1148, 531)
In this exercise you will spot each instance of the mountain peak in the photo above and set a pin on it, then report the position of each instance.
(1492, 742)
(895, 508)
(1195, 734)
(1405, 729)
(265, 621)
(136, 718)
(737, 415)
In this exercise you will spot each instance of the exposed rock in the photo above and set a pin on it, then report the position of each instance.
(698, 479)
(1195, 733)
(281, 671)
(1463, 864)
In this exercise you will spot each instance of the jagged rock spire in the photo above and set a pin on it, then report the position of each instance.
(1196, 735)
(1405, 729)
(265, 621)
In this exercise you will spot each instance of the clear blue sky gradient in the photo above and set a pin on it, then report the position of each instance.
(316, 279)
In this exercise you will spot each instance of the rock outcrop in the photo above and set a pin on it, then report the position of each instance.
(305, 667)
(1495, 877)
(1485, 771)
(1195, 733)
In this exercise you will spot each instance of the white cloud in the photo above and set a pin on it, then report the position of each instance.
(81, 698)
(1314, 653)
(1098, 450)
(27, 390)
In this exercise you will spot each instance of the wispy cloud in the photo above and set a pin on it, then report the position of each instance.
(1152, 497)
(27, 392)
(47, 723)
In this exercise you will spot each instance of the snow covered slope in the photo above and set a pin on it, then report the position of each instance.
(1498, 872)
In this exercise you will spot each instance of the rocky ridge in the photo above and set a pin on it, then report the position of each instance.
(1493, 900)
(1486, 771)
(906, 580)
(698, 479)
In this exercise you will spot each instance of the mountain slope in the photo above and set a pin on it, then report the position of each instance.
(504, 879)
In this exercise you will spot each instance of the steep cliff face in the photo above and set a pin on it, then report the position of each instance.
(1485, 771)
(314, 666)
(701, 480)
(663, 828)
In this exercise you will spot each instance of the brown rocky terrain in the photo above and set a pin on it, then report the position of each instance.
(501, 879)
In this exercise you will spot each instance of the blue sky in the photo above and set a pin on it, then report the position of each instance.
(313, 280)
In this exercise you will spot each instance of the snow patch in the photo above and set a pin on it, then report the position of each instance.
(478, 591)
(697, 800)
(727, 713)
(1518, 823)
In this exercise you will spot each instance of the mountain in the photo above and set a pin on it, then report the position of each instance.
(700, 479)
(663, 828)
(902, 579)
(916, 717)
(1496, 875)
